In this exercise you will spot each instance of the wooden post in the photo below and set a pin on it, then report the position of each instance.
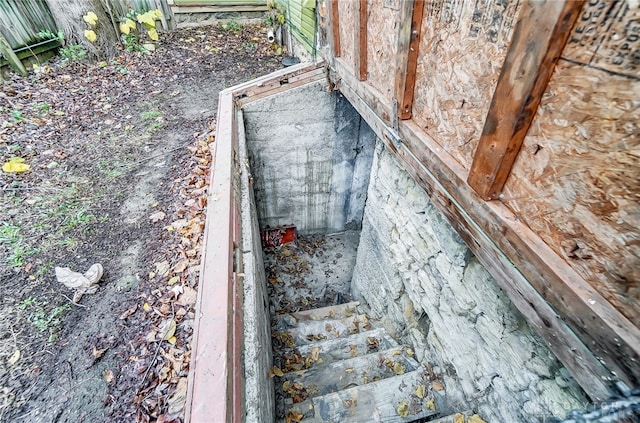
(335, 27)
(13, 60)
(538, 40)
(407, 56)
(361, 41)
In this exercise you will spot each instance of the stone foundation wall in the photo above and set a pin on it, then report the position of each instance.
(421, 280)
(310, 155)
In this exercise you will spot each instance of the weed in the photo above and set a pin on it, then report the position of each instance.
(18, 250)
(44, 107)
(249, 47)
(132, 44)
(150, 114)
(72, 53)
(43, 319)
(17, 115)
(48, 35)
(111, 169)
(44, 268)
(233, 26)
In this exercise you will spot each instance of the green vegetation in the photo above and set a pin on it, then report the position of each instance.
(18, 250)
(43, 318)
(72, 53)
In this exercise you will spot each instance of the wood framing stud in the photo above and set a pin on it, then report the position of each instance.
(407, 60)
(539, 37)
(361, 41)
(335, 27)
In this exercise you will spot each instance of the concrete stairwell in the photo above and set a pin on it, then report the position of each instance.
(333, 364)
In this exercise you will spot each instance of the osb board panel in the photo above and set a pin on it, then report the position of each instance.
(606, 37)
(382, 33)
(347, 17)
(463, 46)
(576, 181)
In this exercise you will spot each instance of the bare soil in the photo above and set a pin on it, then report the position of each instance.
(119, 156)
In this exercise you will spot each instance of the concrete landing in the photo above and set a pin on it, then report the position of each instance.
(315, 272)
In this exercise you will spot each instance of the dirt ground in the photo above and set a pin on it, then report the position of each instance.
(119, 160)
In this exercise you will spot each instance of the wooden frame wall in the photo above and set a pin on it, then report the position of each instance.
(582, 328)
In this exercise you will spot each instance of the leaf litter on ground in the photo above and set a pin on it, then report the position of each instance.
(79, 130)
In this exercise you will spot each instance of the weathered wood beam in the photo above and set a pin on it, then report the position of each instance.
(212, 362)
(335, 27)
(539, 37)
(407, 55)
(11, 57)
(360, 42)
(578, 324)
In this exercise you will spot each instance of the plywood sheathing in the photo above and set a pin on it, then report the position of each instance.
(347, 11)
(462, 50)
(577, 179)
(383, 24)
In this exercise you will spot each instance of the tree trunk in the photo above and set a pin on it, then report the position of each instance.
(68, 16)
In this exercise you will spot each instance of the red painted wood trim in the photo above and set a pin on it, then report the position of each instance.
(211, 361)
(335, 28)
(539, 37)
(404, 111)
(361, 42)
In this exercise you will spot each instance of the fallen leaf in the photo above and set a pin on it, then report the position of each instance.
(146, 307)
(172, 340)
(108, 376)
(129, 312)
(458, 418)
(162, 268)
(173, 280)
(181, 266)
(167, 328)
(437, 385)
(98, 353)
(294, 416)
(14, 357)
(157, 216)
(410, 352)
(277, 371)
(15, 165)
(475, 419)
(188, 297)
(178, 398)
(431, 405)
(419, 391)
(403, 409)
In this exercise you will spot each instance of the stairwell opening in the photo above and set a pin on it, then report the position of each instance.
(368, 233)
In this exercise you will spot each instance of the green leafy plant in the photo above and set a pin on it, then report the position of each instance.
(48, 35)
(275, 14)
(72, 53)
(233, 26)
(18, 250)
(42, 318)
(17, 115)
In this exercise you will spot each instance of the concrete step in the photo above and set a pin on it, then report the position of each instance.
(339, 311)
(332, 350)
(403, 398)
(311, 331)
(350, 372)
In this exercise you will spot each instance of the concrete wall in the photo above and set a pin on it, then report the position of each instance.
(418, 276)
(310, 155)
(258, 358)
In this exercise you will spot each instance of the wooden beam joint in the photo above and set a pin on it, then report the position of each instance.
(538, 39)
